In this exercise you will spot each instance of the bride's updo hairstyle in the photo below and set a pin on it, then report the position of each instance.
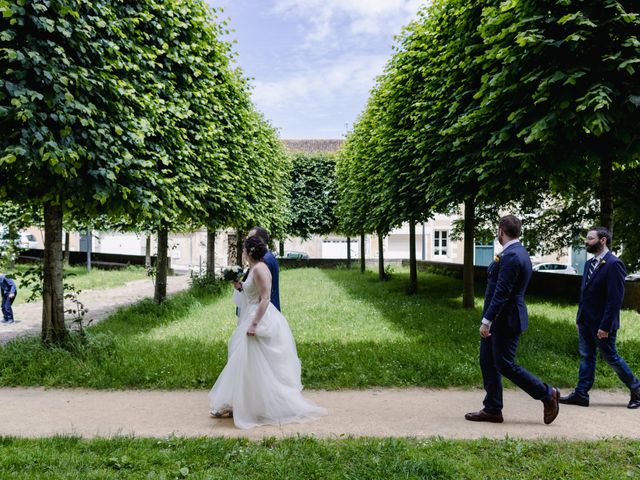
(255, 246)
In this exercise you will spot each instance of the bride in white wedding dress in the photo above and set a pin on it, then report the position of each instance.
(260, 384)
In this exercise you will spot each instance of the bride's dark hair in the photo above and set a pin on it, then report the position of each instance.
(256, 247)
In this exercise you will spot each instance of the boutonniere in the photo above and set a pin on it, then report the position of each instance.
(602, 262)
(496, 258)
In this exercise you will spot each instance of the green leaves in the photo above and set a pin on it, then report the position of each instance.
(313, 195)
(10, 158)
(131, 111)
(501, 101)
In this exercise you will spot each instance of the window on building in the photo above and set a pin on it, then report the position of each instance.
(440, 243)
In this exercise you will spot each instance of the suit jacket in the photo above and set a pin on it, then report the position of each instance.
(7, 286)
(272, 262)
(601, 297)
(507, 281)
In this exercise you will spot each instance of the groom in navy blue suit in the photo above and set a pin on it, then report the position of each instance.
(504, 319)
(598, 319)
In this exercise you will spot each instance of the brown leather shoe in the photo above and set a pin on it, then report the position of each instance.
(482, 416)
(552, 406)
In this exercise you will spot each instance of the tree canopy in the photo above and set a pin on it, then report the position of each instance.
(313, 195)
(522, 104)
(132, 113)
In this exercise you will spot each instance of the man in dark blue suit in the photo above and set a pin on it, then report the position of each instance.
(8, 293)
(272, 262)
(598, 319)
(504, 319)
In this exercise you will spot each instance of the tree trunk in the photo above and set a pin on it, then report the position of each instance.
(67, 240)
(381, 274)
(211, 252)
(349, 252)
(89, 248)
(606, 192)
(468, 300)
(281, 247)
(239, 246)
(147, 252)
(12, 249)
(54, 331)
(413, 264)
(162, 266)
(363, 263)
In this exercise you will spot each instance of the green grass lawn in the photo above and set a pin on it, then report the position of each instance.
(351, 330)
(306, 458)
(83, 280)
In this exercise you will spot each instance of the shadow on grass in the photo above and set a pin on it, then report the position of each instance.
(115, 353)
(437, 345)
(147, 315)
(447, 334)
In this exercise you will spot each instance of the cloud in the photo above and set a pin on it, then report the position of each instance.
(369, 17)
(349, 74)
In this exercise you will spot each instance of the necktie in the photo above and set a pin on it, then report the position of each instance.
(592, 268)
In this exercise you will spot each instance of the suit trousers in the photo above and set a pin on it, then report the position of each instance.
(498, 359)
(7, 311)
(589, 344)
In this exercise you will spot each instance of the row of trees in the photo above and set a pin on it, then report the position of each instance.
(131, 116)
(525, 105)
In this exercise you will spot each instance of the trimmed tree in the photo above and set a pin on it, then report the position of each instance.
(313, 195)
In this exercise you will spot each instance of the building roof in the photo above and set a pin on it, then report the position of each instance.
(312, 145)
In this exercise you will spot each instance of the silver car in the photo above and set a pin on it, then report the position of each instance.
(555, 268)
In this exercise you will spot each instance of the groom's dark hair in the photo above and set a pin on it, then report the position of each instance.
(511, 225)
(602, 232)
(262, 233)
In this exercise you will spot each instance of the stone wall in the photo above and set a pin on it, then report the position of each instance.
(334, 262)
(101, 260)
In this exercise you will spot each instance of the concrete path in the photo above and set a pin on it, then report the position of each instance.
(38, 412)
(101, 303)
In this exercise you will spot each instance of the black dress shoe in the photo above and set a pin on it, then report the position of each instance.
(635, 398)
(484, 416)
(575, 399)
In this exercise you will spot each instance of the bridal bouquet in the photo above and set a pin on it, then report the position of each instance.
(233, 274)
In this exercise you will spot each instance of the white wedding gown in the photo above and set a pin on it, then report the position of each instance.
(261, 381)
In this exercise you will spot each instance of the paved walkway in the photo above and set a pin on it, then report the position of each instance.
(101, 303)
(421, 413)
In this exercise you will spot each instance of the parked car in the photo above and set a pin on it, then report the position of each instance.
(297, 255)
(24, 240)
(633, 277)
(555, 268)
(28, 240)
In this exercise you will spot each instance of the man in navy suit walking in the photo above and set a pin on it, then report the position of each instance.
(8, 293)
(598, 319)
(504, 319)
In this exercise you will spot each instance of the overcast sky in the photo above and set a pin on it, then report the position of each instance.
(313, 62)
